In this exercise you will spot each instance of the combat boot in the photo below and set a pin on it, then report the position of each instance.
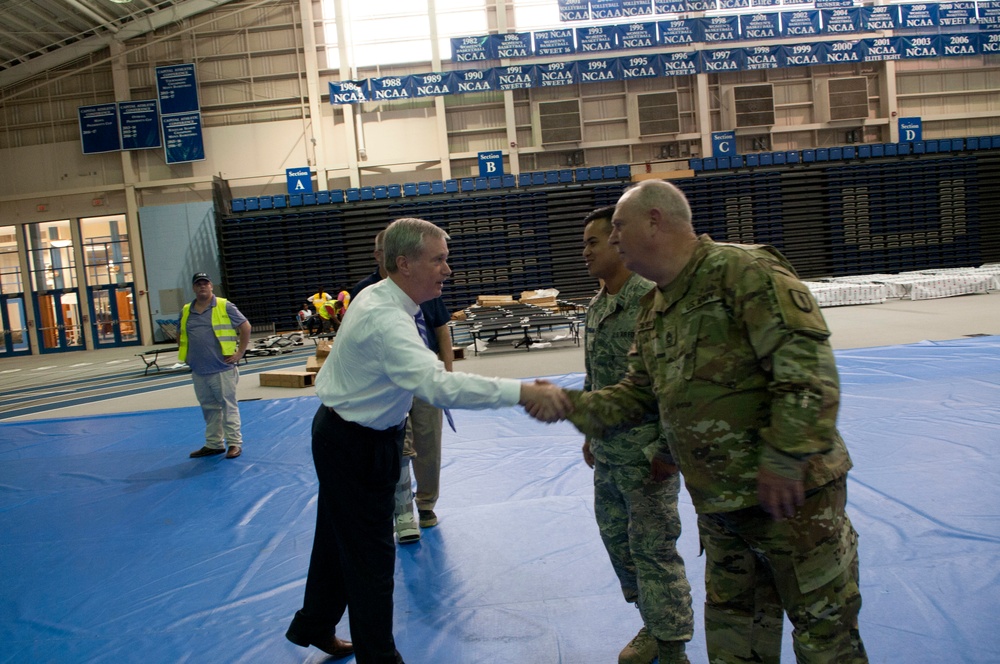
(640, 650)
(672, 652)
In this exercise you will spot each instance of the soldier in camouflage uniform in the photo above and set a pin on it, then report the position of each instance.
(731, 353)
(635, 478)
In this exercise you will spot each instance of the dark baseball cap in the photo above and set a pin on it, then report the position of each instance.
(199, 276)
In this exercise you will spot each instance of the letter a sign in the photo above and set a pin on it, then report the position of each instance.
(299, 180)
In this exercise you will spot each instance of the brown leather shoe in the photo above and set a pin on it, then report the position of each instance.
(206, 451)
(330, 644)
(234, 451)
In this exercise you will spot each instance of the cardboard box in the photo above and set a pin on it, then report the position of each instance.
(313, 364)
(459, 352)
(323, 348)
(494, 300)
(287, 379)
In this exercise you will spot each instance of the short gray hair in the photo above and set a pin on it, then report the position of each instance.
(664, 196)
(405, 237)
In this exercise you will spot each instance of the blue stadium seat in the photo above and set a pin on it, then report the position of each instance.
(551, 177)
(610, 172)
(779, 157)
(451, 186)
(496, 182)
(380, 192)
(903, 148)
(409, 188)
(565, 175)
(238, 204)
(394, 190)
(468, 184)
(337, 196)
(808, 156)
(708, 163)
(596, 173)
(864, 151)
(623, 170)
(695, 164)
(836, 154)
(752, 160)
(822, 154)
(279, 201)
(766, 158)
(253, 203)
(792, 157)
(309, 199)
(722, 163)
(850, 152)
(322, 197)
(423, 188)
(482, 184)
(509, 181)
(890, 149)
(930, 147)
(995, 141)
(538, 177)
(919, 147)
(736, 161)
(878, 150)
(353, 195)
(264, 202)
(294, 200)
(524, 180)
(437, 186)
(582, 174)
(367, 193)
(972, 143)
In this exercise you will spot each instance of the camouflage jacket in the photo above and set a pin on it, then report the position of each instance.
(733, 355)
(608, 335)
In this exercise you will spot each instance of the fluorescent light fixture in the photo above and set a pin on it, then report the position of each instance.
(61, 244)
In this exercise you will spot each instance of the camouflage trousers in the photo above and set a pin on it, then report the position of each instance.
(756, 569)
(639, 524)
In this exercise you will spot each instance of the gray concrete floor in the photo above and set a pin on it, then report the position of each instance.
(894, 322)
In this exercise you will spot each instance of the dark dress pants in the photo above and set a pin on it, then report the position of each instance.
(354, 554)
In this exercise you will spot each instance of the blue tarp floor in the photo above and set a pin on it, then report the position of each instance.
(118, 548)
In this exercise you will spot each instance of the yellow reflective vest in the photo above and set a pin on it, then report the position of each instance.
(222, 325)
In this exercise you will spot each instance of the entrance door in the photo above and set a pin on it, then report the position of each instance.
(15, 324)
(112, 315)
(58, 316)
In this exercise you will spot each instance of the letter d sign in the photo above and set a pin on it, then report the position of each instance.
(910, 130)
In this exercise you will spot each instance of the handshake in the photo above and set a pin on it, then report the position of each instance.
(545, 401)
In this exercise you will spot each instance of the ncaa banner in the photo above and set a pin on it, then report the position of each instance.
(471, 80)
(715, 61)
(390, 87)
(839, 52)
(637, 35)
(435, 84)
(510, 45)
(958, 45)
(764, 57)
(734, 4)
(669, 6)
(680, 63)
(681, 31)
(691, 6)
(574, 10)
(882, 17)
(631, 8)
(841, 21)
(799, 24)
(989, 43)
(712, 29)
(989, 15)
(760, 26)
(470, 49)
(921, 47)
(882, 48)
(554, 42)
(513, 78)
(918, 16)
(348, 92)
(598, 71)
(802, 55)
(601, 9)
(597, 38)
(641, 66)
(556, 74)
(956, 14)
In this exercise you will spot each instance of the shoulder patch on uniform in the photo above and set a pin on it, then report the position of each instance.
(798, 307)
(801, 299)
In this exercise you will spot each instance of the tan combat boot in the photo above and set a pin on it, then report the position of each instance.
(640, 650)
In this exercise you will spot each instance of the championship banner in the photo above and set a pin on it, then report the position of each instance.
(596, 38)
(956, 14)
(435, 84)
(641, 66)
(554, 42)
(989, 43)
(713, 29)
(669, 7)
(839, 52)
(918, 16)
(802, 55)
(760, 26)
(512, 78)
(470, 49)
(99, 130)
(390, 87)
(604, 9)
(598, 71)
(764, 57)
(959, 45)
(574, 10)
(556, 74)
(348, 92)
(510, 45)
(989, 15)
(882, 17)
(692, 6)
(637, 8)
(921, 47)
(637, 35)
(882, 48)
(470, 80)
(681, 31)
(841, 21)
(683, 63)
(176, 89)
(182, 137)
(715, 61)
(140, 124)
(799, 23)
(734, 4)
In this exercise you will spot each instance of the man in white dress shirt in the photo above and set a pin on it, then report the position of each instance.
(377, 365)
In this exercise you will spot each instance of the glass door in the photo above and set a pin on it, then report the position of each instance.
(108, 268)
(52, 263)
(12, 313)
